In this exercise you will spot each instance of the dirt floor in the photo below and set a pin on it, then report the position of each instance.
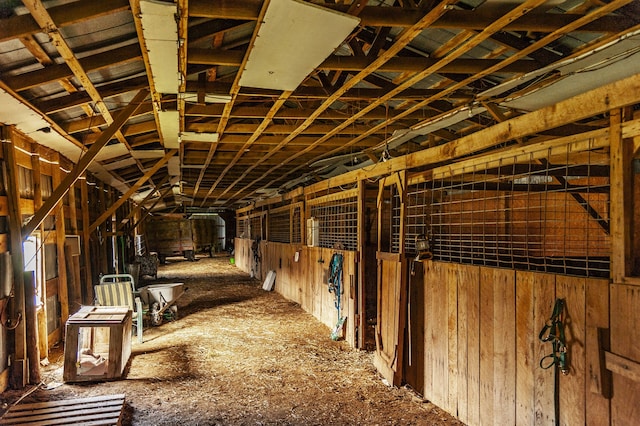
(238, 355)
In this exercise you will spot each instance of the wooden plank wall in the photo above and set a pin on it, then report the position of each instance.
(71, 286)
(625, 323)
(391, 314)
(305, 281)
(482, 351)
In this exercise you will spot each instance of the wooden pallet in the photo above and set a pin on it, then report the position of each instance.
(98, 410)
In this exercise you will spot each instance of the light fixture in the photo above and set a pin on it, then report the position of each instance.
(199, 137)
(170, 128)
(160, 31)
(293, 39)
(173, 166)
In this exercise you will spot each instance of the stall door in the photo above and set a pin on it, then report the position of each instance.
(391, 280)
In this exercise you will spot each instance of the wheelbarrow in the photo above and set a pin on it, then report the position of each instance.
(160, 300)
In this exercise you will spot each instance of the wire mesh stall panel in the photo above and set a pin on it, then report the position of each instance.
(296, 223)
(336, 218)
(284, 224)
(546, 210)
(257, 228)
(418, 214)
(242, 227)
(390, 211)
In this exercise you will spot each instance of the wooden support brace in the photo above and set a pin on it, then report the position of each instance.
(138, 207)
(162, 195)
(83, 164)
(121, 200)
(623, 366)
(599, 377)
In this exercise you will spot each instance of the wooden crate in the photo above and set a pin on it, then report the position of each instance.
(97, 343)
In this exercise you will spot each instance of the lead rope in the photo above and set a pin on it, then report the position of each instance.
(335, 287)
(553, 331)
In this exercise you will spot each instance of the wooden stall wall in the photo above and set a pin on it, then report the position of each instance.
(624, 358)
(482, 351)
(242, 254)
(32, 173)
(303, 279)
(390, 324)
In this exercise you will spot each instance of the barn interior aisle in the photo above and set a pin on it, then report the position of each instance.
(238, 355)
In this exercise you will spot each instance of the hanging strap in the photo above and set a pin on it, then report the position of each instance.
(553, 331)
(335, 279)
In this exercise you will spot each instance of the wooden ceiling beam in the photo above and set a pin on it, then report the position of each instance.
(122, 199)
(63, 15)
(89, 123)
(401, 41)
(268, 118)
(233, 92)
(265, 142)
(520, 10)
(131, 130)
(604, 10)
(44, 19)
(283, 129)
(356, 63)
(377, 16)
(82, 165)
(52, 73)
(216, 111)
(307, 93)
(81, 98)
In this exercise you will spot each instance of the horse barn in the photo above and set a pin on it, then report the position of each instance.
(320, 212)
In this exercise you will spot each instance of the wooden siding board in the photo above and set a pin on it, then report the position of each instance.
(452, 275)
(525, 351)
(597, 387)
(487, 415)
(625, 323)
(436, 339)
(472, 278)
(414, 372)
(481, 350)
(535, 294)
(428, 272)
(504, 335)
(572, 386)
(544, 293)
(463, 325)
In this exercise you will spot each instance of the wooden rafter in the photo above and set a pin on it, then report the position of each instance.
(82, 165)
(121, 200)
(401, 41)
(407, 17)
(498, 24)
(234, 91)
(522, 53)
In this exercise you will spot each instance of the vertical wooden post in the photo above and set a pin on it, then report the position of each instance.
(72, 258)
(43, 343)
(621, 199)
(73, 209)
(87, 293)
(361, 296)
(33, 352)
(63, 291)
(19, 372)
(103, 262)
